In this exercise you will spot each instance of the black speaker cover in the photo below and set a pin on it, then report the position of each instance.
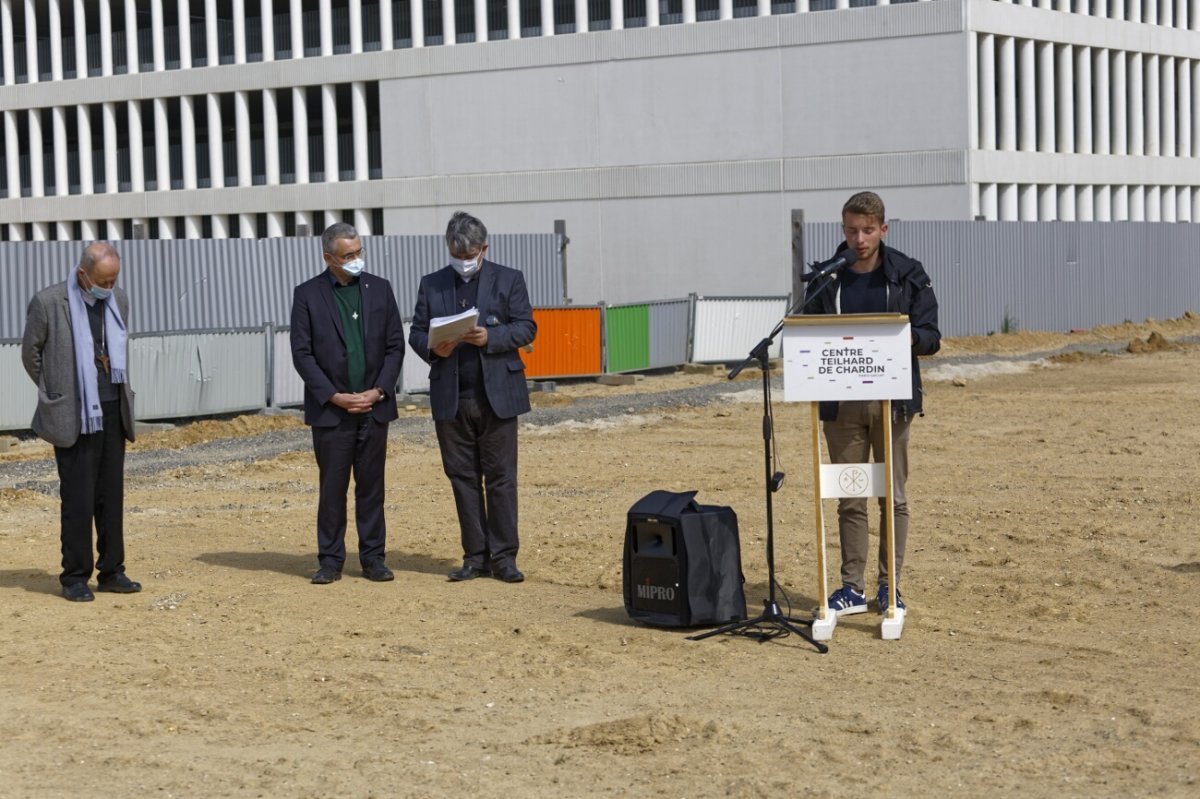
(683, 562)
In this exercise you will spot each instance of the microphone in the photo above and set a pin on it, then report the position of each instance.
(843, 259)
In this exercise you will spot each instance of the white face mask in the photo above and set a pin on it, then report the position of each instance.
(354, 268)
(465, 268)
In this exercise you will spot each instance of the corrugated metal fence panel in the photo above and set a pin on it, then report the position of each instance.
(194, 374)
(669, 332)
(414, 376)
(18, 395)
(223, 284)
(568, 342)
(727, 328)
(1044, 275)
(286, 386)
(627, 337)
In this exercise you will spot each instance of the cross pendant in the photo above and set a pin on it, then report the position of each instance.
(462, 303)
(354, 315)
(103, 359)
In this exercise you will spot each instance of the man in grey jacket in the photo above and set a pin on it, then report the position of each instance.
(75, 350)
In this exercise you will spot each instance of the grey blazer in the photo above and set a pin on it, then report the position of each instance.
(48, 353)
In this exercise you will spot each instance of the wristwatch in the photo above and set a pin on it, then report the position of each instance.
(382, 393)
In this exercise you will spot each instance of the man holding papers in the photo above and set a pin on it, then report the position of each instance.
(471, 318)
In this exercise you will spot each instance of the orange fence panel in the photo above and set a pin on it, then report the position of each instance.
(568, 343)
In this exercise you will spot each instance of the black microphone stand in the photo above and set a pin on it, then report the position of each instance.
(771, 617)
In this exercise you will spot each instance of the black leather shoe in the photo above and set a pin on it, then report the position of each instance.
(78, 592)
(118, 584)
(326, 575)
(509, 573)
(378, 573)
(468, 573)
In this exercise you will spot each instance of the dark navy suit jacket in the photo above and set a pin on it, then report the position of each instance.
(319, 346)
(504, 309)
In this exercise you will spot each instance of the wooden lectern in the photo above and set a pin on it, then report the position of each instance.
(849, 357)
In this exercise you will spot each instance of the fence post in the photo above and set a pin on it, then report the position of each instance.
(691, 326)
(560, 229)
(798, 266)
(269, 333)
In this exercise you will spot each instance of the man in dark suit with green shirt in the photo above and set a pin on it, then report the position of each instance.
(348, 347)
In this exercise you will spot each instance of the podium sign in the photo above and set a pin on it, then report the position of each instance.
(847, 357)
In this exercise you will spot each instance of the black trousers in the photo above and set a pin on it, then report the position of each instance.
(91, 477)
(359, 445)
(479, 455)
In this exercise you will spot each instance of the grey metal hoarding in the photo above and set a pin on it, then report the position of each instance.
(223, 284)
(727, 328)
(670, 330)
(194, 374)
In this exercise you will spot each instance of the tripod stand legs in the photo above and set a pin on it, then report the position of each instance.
(771, 616)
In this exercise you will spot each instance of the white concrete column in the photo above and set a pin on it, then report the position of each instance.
(513, 21)
(216, 148)
(1183, 202)
(37, 176)
(581, 15)
(295, 11)
(1027, 202)
(166, 227)
(247, 226)
(1194, 67)
(386, 28)
(114, 229)
(1186, 132)
(358, 115)
(8, 75)
(689, 10)
(81, 54)
(1065, 69)
(1133, 10)
(1102, 114)
(987, 92)
(239, 31)
(326, 23)
(1195, 202)
(356, 37)
(16, 232)
(652, 16)
(112, 180)
(1084, 208)
(62, 183)
(1194, 25)
(1137, 204)
(137, 171)
(1047, 202)
(987, 204)
(56, 55)
(89, 229)
(241, 121)
(212, 47)
(1120, 203)
(106, 35)
(362, 221)
(449, 23)
(1047, 104)
(416, 18)
(616, 14)
(1168, 99)
(187, 138)
(41, 231)
(1007, 106)
(1008, 209)
(183, 13)
(62, 231)
(193, 227)
(1120, 104)
(725, 8)
(1116, 9)
(1083, 100)
(481, 24)
(274, 224)
(1027, 81)
(1150, 12)
(547, 16)
(1137, 105)
(271, 135)
(300, 132)
(133, 62)
(156, 33)
(1153, 204)
(1066, 203)
(12, 154)
(329, 131)
(1103, 204)
(306, 218)
(220, 226)
(83, 125)
(31, 53)
(1153, 107)
(1169, 209)
(268, 27)
(162, 145)
(1168, 13)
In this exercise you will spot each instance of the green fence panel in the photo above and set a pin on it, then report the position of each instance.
(627, 336)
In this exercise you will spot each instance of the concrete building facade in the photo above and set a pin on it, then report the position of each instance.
(674, 138)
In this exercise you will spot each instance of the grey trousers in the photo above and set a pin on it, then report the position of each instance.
(853, 438)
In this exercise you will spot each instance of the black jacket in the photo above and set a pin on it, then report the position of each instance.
(910, 292)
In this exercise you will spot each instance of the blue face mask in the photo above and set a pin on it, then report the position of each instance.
(96, 291)
(464, 267)
(354, 268)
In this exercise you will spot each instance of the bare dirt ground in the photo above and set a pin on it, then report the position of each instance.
(1050, 647)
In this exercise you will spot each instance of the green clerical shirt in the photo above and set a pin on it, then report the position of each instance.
(349, 305)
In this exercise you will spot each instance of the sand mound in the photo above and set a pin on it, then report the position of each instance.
(1154, 343)
(634, 735)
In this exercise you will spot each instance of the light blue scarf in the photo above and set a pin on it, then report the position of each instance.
(91, 415)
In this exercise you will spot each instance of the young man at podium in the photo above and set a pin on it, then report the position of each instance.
(882, 280)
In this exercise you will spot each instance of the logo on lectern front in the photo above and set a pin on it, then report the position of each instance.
(853, 480)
